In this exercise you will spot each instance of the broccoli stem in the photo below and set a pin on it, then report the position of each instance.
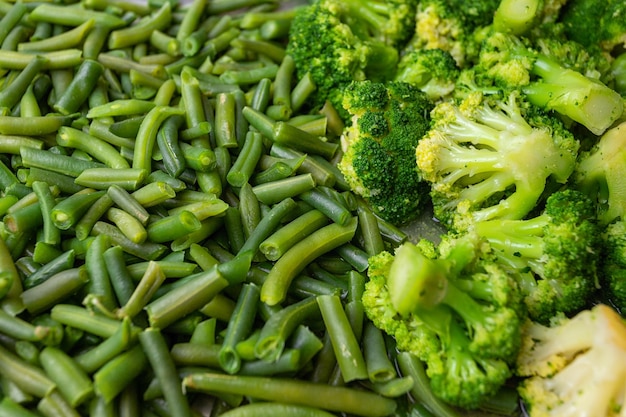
(570, 93)
(461, 302)
(516, 16)
(516, 238)
(414, 280)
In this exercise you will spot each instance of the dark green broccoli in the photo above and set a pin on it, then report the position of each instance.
(596, 23)
(338, 42)
(554, 254)
(613, 264)
(547, 76)
(600, 173)
(495, 156)
(388, 120)
(467, 336)
(452, 26)
(434, 71)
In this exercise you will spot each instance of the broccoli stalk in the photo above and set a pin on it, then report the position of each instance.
(518, 17)
(576, 367)
(600, 173)
(554, 254)
(570, 93)
(488, 155)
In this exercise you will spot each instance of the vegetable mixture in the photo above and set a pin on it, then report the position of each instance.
(207, 208)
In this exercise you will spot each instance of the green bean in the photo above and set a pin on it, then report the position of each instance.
(80, 87)
(239, 327)
(103, 178)
(125, 107)
(262, 94)
(287, 363)
(249, 76)
(282, 83)
(267, 225)
(33, 125)
(421, 392)
(281, 274)
(24, 219)
(11, 19)
(234, 228)
(67, 212)
(272, 50)
(198, 158)
(50, 233)
(67, 58)
(321, 170)
(60, 263)
(55, 405)
(60, 15)
(62, 164)
(275, 29)
(65, 40)
(345, 344)
(164, 42)
(98, 209)
(275, 191)
(194, 354)
(128, 225)
(168, 144)
(94, 41)
(393, 388)
(288, 135)
(297, 392)
(55, 289)
(21, 329)
(146, 137)
(225, 133)
(128, 203)
(153, 194)
(99, 281)
(246, 161)
(71, 380)
(11, 408)
(379, 366)
(10, 95)
(97, 148)
(29, 378)
(275, 245)
(173, 227)
(160, 19)
(354, 255)
(279, 327)
(157, 353)
(119, 372)
(123, 65)
(147, 250)
(191, 19)
(328, 205)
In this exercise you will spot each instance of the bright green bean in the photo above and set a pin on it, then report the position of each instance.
(71, 380)
(132, 35)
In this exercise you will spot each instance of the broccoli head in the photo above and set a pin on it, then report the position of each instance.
(613, 264)
(451, 26)
(576, 366)
(548, 77)
(337, 42)
(600, 173)
(433, 71)
(464, 307)
(596, 23)
(554, 255)
(495, 156)
(388, 120)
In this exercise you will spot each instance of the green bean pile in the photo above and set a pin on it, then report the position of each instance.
(176, 239)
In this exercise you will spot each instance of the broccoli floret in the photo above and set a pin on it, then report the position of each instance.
(452, 307)
(600, 173)
(410, 333)
(341, 41)
(494, 155)
(433, 71)
(575, 367)
(388, 120)
(553, 254)
(451, 26)
(547, 77)
(596, 23)
(613, 264)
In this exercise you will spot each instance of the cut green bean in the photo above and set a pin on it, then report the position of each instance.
(99, 281)
(298, 392)
(275, 245)
(71, 380)
(276, 191)
(246, 161)
(275, 287)
(50, 233)
(128, 225)
(119, 372)
(279, 327)
(94, 358)
(147, 250)
(60, 15)
(29, 378)
(57, 288)
(157, 353)
(379, 366)
(103, 178)
(10, 95)
(160, 19)
(80, 88)
(62, 164)
(97, 148)
(98, 209)
(65, 40)
(239, 327)
(128, 203)
(60, 263)
(173, 227)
